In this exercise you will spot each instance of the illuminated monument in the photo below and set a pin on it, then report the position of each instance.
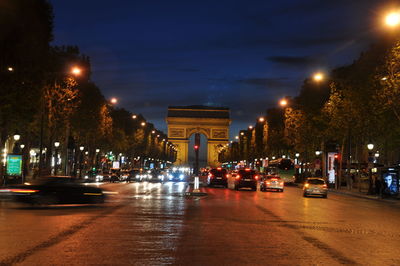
(184, 121)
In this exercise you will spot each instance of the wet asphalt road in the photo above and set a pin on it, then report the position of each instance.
(153, 224)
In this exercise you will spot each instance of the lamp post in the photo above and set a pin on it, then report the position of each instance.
(370, 147)
(81, 148)
(56, 145)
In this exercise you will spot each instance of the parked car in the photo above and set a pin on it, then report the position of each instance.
(271, 182)
(217, 176)
(315, 186)
(54, 190)
(246, 178)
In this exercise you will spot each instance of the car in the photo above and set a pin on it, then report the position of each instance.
(55, 190)
(155, 176)
(217, 176)
(315, 187)
(246, 178)
(176, 176)
(271, 182)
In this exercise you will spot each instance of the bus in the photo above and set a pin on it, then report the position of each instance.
(282, 167)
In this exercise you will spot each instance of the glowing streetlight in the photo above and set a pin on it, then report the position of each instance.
(22, 146)
(283, 102)
(250, 127)
(261, 119)
(392, 19)
(236, 137)
(10, 69)
(17, 137)
(57, 144)
(318, 77)
(97, 150)
(143, 124)
(81, 148)
(241, 133)
(114, 100)
(317, 153)
(153, 132)
(370, 146)
(134, 116)
(76, 71)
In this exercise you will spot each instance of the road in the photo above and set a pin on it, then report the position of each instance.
(153, 224)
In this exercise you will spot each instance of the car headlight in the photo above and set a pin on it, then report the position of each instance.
(170, 177)
(181, 177)
(160, 177)
(86, 177)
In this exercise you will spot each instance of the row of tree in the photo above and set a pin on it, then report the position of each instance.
(44, 102)
(353, 106)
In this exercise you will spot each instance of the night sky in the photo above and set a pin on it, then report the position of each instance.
(243, 54)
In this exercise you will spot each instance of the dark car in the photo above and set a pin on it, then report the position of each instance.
(246, 178)
(218, 176)
(55, 190)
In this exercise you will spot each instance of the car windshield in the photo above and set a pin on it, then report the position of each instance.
(316, 181)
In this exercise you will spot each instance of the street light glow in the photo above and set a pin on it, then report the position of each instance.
(318, 76)
(57, 144)
(250, 127)
(76, 71)
(283, 102)
(261, 119)
(393, 19)
(113, 100)
(143, 124)
(134, 116)
(81, 148)
(370, 146)
(17, 137)
(236, 137)
(10, 69)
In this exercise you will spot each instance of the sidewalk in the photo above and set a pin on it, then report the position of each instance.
(357, 194)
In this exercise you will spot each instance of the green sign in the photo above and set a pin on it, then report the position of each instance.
(14, 165)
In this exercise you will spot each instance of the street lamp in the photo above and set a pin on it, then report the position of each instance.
(283, 102)
(76, 71)
(261, 119)
(143, 124)
(17, 136)
(97, 150)
(297, 155)
(392, 19)
(134, 116)
(81, 148)
(250, 127)
(114, 100)
(370, 146)
(241, 133)
(56, 145)
(10, 69)
(318, 76)
(22, 146)
(236, 137)
(318, 153)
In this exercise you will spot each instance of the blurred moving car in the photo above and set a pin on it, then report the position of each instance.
(315, 186)
(217, 176)
(246, 178)
(271, 182)
(176, 176)
(54, 190)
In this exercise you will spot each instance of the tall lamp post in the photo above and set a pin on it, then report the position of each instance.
(370, 147)
(56, 145)
(81, 148)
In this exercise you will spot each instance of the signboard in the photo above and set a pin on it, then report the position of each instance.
(14, 165)
(116, 164)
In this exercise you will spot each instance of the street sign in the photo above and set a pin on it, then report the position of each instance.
(14, 165)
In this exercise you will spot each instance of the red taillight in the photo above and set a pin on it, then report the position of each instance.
(210, 176)
(226, 175)
(219, 168)
(247, 169)
(21, 190)
(324, 186)
(256, 177)
(238, 177)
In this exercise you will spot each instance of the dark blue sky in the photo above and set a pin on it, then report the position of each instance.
(244, 54)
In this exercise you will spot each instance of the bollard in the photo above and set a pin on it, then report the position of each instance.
(196, 184)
